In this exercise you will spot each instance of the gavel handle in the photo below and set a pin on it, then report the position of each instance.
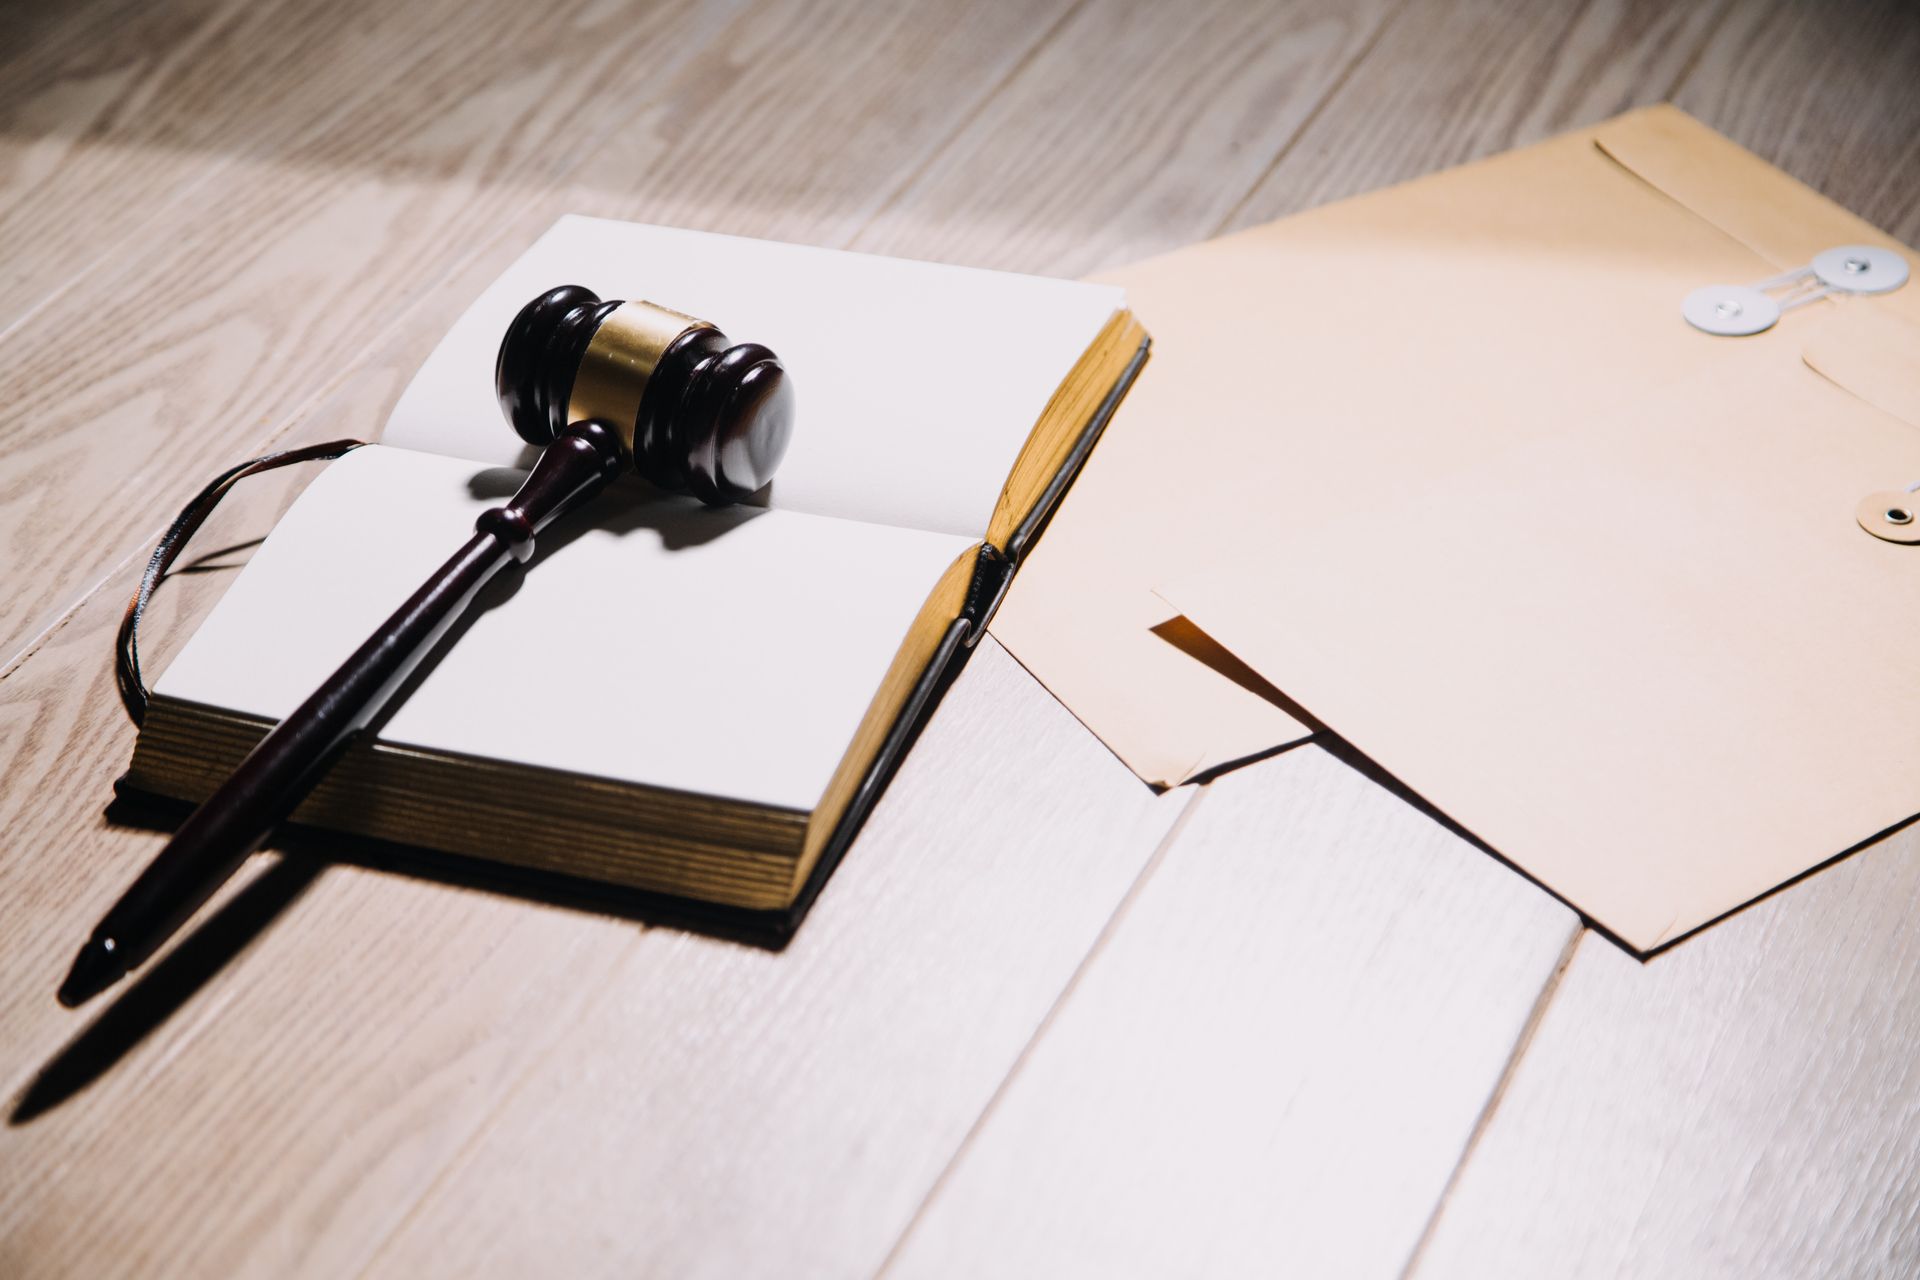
(278, 773)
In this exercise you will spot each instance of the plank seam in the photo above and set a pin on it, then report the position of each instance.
(1308, 121)
(35, 642)
(1107, 931)
(1484, 1121)
(209, 31)
(562, 1030)
(429, 290)
(965, 121)
(286, 426)
(1692, 63)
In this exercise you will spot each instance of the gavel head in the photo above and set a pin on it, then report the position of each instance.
(698, 413)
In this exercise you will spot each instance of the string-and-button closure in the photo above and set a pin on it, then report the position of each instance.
(1737, 310)
(1892, 516)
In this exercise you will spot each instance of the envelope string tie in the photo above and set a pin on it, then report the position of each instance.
(1892, 515)
(1740, 310)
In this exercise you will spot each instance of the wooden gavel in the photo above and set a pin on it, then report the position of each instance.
(599, 385)
(696, 413)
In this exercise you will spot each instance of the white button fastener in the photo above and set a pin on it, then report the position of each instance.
(1737, 310)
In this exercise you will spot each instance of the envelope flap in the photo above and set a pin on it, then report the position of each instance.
(1652, 660)
(1872, 353)
(1780, 218)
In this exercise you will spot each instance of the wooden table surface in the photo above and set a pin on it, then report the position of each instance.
(1043, 1021)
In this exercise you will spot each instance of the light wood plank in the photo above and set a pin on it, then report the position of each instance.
(1095, 1156)
(62, 66)
(374, 380)
(656, 163)
(255, 1136)
(1830, 93)
(713, 1124)
(314, 1112)
(1740, 1106)
(342, 1198)
(1448, 83)
(285, 1118)
(806, 121)
(64, 738)
(745, 1113)
(233, 361)
(1136, 129)
(1277, 1057)
(155, 99)
(253, 295)
(393, 1010)
(1531, 79)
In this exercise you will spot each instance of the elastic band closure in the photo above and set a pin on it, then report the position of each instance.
(133, 688)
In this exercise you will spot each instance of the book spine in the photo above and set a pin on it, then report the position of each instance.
(992, 575)
(1030, 528)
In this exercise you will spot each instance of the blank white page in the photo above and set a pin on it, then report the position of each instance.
(917, 383)
(730, 653)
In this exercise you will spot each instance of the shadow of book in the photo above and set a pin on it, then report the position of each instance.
(160, 989)
(767, 930)
(156, 992)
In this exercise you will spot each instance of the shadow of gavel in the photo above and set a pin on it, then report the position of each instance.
(601, 385)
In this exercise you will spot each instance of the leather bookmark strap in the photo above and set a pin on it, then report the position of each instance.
(133, 688)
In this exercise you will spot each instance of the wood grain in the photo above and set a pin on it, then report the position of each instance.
(156, 99)
(68, 680)
(418, 191)
(1829, 92)
(1448, 83)
(1741, 1106)
(274, 276)
(296, 1104)
(1134, 130)
(727, 148)
(59, 701)
(1282, 1048)
(798, 1106)
(401, 1075)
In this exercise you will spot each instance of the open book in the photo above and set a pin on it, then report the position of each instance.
(701, 703)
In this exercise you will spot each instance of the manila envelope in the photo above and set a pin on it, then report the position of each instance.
(1588, 580)
(1357, 348)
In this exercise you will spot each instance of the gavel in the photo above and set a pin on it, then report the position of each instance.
(599, 385)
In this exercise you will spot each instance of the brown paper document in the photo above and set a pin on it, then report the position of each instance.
(1358, 348)
(1586, 578)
